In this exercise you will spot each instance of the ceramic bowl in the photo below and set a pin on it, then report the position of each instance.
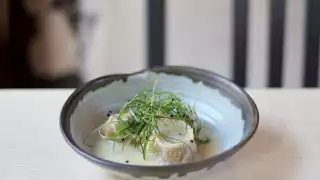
(217, 100)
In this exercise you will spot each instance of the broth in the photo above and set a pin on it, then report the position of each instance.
(117, 152)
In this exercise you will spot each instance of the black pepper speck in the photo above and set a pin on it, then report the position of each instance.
(127, 161)
(191, 141)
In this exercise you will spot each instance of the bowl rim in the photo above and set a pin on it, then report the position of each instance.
(168, 168)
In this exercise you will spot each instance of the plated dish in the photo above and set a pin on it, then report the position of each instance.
(170, 122)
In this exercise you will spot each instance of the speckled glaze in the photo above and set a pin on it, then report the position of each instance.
(216, 100)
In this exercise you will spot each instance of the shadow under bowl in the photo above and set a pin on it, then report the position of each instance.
(216, 100)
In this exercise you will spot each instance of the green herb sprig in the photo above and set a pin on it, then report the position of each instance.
(146, 109)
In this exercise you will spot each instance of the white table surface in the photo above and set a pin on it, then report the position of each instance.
(285, 147)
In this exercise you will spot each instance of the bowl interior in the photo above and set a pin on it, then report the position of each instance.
(215, 101)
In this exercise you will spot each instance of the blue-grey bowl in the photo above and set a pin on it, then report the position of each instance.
(217, 100)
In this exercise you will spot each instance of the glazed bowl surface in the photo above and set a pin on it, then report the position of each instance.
(218, 101)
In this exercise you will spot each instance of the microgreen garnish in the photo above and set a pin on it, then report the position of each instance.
(146, 108)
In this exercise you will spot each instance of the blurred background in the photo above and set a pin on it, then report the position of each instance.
(63, 43)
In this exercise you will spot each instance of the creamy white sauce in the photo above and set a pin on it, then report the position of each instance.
(127, 153)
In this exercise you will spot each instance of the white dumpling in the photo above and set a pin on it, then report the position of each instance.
(179, 145)
(108, 129)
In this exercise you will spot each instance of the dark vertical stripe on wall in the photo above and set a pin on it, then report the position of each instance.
(240, 16)
(22, 29)
(156, 32)
(276, 45)
(312, 43)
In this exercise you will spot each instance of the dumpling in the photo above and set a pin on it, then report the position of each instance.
(108, 129)
(176, 142)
